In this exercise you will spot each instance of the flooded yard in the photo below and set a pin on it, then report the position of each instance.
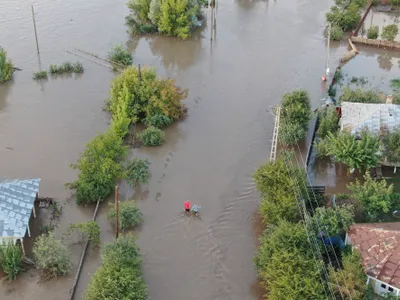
(261, 50)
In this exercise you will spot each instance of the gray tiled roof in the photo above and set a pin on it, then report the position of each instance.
(377, 118)
(17, 198)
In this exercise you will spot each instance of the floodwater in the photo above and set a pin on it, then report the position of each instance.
(261, 49)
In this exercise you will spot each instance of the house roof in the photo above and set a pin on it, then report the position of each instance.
(379, 247)
(17, 198)
(377, 118)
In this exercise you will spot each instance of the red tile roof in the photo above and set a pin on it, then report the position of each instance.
(379, 247)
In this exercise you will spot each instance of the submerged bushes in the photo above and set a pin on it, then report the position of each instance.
(6, 67)
(120, 55)
(66, 68)
(345, 14)
(10, 258)
(169, 17)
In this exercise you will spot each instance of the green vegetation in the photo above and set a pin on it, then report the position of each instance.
(286, 265)
(328, 121)
(373, 32)
(391, 143)
(51, 256)
(137, 171)
(336, 33)
(66, 68)
(169, 17)
(394, 2)
(6, 67)
(41, 75)
(278, 184)
(395, 83)
(359, 80)
(158, 121)
(120, 55)
(120, 276)
(333, 221)
(361, 96)
(151, 136)
(375, 197)
(345, 14)
(86, 231)
(359, 154)
(129, 215)
(390, 32)
(10, 258)
(349, 281)
(295, 116)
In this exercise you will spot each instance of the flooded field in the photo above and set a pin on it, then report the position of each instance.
(261, 50)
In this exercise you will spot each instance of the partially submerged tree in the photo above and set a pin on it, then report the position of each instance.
(361, 96)
(129, 216)
(6, 66)
(120, 55)
(85, 231)
(328, 121)
(390, 32)
(391, 143)
(333, 221)
(151, 136)
(10, 258)
(373, 32)
(137, 171)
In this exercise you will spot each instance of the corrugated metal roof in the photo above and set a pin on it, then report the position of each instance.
(377, 118)
(17, 198)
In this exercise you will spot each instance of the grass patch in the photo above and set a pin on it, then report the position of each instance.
(66, 68)
(41, 75)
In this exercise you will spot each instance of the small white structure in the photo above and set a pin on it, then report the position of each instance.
(379, 248)
(17, 202)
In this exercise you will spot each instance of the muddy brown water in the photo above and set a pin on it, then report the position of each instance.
(261, 50)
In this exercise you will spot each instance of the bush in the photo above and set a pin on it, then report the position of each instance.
(151, 136)
(99, 167)
(10, 259)
(41, 75)
(6, 67)
(328, 121)
(358, 95)
(87, 231)
(158, 121)
(391, 143)
(336, 33)
(333, 221)
(295, 116)
(279, 184)
(286, 264)
(373, 32)
(390, 32)
(51, 256)
(374, 196)
(66, 68)
(129, 215)
(137, 171)
(347, 19)
(78, 68)
(120, 55)
(120, 276)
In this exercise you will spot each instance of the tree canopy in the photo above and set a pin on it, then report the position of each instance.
(333, 221)
(391, 143)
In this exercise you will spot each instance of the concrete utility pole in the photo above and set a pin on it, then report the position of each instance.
(34, 27)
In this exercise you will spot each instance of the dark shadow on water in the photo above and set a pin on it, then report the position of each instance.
(385, 61)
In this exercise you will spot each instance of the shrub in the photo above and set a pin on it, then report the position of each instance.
(394, 2)
(390, 32)
(120, 55)
(78, 68)
(41, 75)
(137, 171)
(391, 143)
(286, 265)
(99, 167)
(120, 276)
(51, 256)
(279, 184)
(295, 116)
(129, 215)
(346, 18)
(373, 32)
(328, 121)
(158, 121)
(151, 136)
(66, 68)
(358, 95)
(374, 196)
(87, 231)
(336, 33)
(6, 66)
(333, 221)
(322, 147)
(10, 258)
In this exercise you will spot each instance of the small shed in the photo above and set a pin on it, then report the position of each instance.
(17, 203)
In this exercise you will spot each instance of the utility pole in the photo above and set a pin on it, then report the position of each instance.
(116, 213)
(328, 50)
(34, 27)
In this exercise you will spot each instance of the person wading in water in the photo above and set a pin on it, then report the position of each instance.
(187, 207)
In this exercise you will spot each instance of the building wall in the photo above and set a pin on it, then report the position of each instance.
(381, 288)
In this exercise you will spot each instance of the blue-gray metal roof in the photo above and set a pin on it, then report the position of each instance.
(17, 198)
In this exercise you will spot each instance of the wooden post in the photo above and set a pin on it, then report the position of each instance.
(116, 213)
(34, 27)
(29, 231)
(33, 208)
(22, 246)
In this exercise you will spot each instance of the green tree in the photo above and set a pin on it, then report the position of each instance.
(280, 185)
(6, 66)
(86, 231)
(361, 96)
(151, 136)
(391, 143)
(120, 55)
(346, 18)
(129, 216)
(375, 196)
(349, 281)
(10, 258)
(295, 116)
(120, 276)
(286, 265)
(137, 171)
(51, 256)
(390, 32)
(333, 221)
(336, 33)
(373, 32)
(359, 154)
(328, 121)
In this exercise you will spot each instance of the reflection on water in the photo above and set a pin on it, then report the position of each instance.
(385, 61)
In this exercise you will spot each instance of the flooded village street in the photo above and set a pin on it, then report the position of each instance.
(261, 50)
